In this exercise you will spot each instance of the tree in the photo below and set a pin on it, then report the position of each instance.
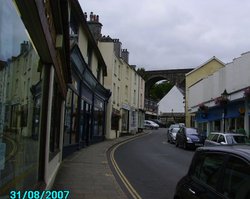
(142, 73)
(158, 91)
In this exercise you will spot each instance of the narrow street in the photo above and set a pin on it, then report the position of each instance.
(152, 165)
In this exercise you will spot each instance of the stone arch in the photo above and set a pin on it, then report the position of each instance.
(174, 76)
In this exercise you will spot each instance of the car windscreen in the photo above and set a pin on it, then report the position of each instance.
(190, 131)
(175, 130)
(236, 139)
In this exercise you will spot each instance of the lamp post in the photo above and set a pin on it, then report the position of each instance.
(224, 99)
(172, 114)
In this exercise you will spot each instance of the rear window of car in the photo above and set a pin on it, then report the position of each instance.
(236, 179)
(190, 131)
(174, 126)
(207, 168)
(236, 139)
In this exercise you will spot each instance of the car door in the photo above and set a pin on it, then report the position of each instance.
(205, 175)
(183, 136)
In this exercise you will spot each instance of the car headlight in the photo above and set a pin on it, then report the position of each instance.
(188, 139)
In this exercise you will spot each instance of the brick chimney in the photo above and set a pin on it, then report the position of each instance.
(24, 47)
(94, 25)
(125, 55)
(117, 46)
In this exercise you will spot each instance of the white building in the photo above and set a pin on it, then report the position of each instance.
(212, 113)
(172, 107)
(125, 107)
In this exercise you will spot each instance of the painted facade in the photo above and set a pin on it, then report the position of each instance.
(194, 76)
(125, 111)
(212, 111)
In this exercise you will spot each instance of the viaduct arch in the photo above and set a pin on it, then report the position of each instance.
(173, 76)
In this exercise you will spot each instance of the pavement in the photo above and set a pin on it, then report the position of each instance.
(87, 174)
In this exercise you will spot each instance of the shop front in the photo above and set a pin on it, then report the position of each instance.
(85, 107)
(221, 118)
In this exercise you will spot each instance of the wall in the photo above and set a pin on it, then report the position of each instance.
(196, 75)
(233, 77)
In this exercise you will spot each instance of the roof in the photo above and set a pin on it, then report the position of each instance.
(242, 150)
(78, 11)
(211, 59)
(172, 102)
(227, 133)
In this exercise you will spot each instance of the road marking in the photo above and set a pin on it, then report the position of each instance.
(124, 180)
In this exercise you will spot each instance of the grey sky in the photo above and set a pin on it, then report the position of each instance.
(164, 34)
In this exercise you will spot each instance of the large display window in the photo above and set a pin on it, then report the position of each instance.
(21, 78)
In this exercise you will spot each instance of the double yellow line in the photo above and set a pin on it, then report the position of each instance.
(124, 180)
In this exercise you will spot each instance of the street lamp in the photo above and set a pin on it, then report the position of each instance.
(173, 114)
(224, 100)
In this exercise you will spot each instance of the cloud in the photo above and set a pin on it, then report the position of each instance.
(176, 34)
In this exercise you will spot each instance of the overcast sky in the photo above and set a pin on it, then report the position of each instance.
(167, 34)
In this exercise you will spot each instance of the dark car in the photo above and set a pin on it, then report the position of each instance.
(217, 172)
(188, 138)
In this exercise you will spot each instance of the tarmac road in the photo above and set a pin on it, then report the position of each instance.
(151, 165)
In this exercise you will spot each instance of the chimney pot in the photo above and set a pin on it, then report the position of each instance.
(85, 15)
(91, 16)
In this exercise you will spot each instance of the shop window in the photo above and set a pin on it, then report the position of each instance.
(75, 119)
(115, 121)
(217, 126)
(20, 105)
(125, 120)
(55, 121)
(67, 118)
(98, 122)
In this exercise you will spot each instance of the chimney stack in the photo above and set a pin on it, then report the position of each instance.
(24, 47)
(95, 26)
(86, 15)
(125, 55)
(117, 47)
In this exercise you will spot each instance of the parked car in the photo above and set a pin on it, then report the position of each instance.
(173, 126)
(217, 172)
(150, 124)
(216, 138)
(161, 125)
(188, 137)
(171, 135)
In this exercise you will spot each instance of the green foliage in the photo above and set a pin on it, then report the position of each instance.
(158, 91)
(142, 73)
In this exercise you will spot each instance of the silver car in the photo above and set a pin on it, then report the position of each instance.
(217, 138)
(172, 134)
